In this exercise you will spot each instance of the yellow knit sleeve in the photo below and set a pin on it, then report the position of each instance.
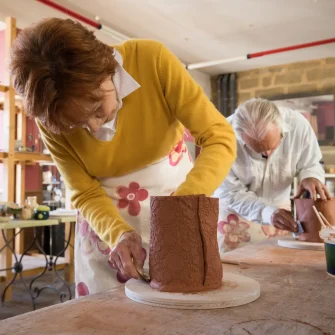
(87, 195)
(210, 129)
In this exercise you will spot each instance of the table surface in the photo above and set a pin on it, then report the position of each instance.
(297, 297)
(52, 221)
(64, 218)
(28, 223)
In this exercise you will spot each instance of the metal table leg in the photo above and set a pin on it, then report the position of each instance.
(50, 264)
(17, 266)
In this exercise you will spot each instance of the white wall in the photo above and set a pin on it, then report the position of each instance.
(204, 80)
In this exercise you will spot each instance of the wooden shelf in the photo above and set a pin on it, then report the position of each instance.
(3, 155)
(3, 88)
(18, 104)
(31, 157)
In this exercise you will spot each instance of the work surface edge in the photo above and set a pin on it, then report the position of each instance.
(296, 298)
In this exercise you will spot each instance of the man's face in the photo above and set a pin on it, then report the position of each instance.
(268, 144)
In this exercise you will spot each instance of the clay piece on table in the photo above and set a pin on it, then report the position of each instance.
(308, 218)
(184, 255)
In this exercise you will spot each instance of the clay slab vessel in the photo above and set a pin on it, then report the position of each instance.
(184, 255)
(308, 219)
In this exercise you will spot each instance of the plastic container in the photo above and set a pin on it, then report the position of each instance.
(328, 236)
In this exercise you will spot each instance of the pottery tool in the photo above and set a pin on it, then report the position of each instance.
(326, 221)
(319, 217)
(300, 229)
(143, 276)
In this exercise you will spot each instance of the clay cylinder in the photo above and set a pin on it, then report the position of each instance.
(184, 255)
(309, 220)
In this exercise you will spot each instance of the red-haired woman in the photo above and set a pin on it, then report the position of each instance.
(113, 120)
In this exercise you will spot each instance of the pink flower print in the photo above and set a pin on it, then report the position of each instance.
(271, 231)
(234, 231)
(91, 240)
(176, 154)
(131, 197)
(82, 289)
(187, 137)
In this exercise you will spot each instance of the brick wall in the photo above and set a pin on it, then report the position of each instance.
(315, 77)
(310, 77)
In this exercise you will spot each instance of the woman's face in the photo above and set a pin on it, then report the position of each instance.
(108, 108)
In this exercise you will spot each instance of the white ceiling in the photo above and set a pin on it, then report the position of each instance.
(203, 30)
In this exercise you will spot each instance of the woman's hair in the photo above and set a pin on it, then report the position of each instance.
(57, 67)
(255, 117)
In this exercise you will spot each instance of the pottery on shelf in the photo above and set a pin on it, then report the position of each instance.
(42, 213)
(10, 209)
(27, 213)
(32, 202)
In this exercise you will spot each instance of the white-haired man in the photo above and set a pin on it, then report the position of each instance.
(274, 145)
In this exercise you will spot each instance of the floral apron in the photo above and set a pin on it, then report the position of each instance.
(131, 194)
(236, 232)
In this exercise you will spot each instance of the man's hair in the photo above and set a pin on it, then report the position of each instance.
(255, 117)
(57, 67)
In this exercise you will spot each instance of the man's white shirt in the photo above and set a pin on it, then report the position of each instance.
(255, 186)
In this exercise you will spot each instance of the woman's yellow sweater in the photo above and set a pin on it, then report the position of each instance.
(149, 124)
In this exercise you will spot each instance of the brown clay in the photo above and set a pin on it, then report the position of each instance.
(308, 219)
(184, 255)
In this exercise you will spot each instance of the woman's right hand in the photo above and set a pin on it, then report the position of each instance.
(127, 255)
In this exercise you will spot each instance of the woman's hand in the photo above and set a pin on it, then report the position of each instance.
(127, 255)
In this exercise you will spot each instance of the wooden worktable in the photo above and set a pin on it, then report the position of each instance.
(297, 297)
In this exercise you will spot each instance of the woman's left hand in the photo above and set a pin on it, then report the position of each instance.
(127, 255)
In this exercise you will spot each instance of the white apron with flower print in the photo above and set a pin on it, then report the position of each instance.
(131, 194)
(236, 232)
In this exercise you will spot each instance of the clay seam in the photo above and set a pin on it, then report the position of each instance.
(202, 240)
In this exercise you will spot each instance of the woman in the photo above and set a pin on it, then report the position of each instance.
(113, 120)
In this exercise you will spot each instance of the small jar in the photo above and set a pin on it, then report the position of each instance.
(27, 213)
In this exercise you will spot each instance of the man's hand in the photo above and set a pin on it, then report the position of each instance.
(282, 219)
(127, 255)
(314, 187)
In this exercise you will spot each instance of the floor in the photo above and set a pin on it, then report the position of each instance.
(21, 302)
